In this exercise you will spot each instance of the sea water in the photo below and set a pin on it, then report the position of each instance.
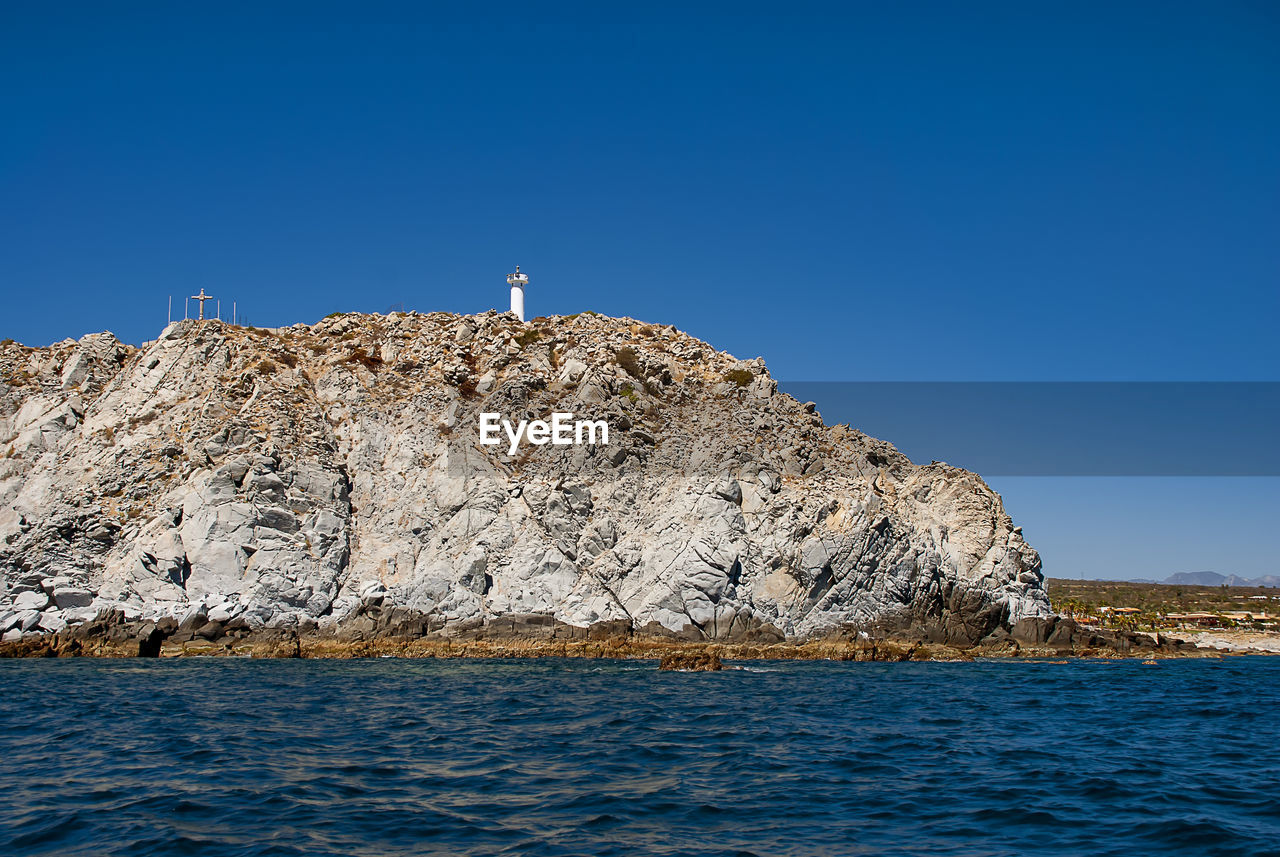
(557, 757)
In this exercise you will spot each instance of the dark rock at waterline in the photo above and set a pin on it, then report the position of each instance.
(1066, 635)
(1033, 630)
(210, 630)
(691, 662)
(1064, 631)
(193, 622)
(609, 629)
(110, 632)
(150, 639)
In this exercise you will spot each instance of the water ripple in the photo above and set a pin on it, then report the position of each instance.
(389, 757)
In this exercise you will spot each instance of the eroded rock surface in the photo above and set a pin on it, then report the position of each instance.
(330, 475)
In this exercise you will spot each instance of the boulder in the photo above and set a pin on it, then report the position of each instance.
(223, 613)
(210, 630)
(701, 661)
(30, 600)
(21, 620)
(1063, 633)
(1033, 630)
(67, 597)
(52, 621)
(195, 617)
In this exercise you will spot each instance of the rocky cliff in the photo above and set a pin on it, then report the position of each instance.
(323, 475)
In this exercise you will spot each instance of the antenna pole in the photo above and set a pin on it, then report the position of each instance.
(170, 309)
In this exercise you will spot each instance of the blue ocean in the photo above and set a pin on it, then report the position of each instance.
(587, 757)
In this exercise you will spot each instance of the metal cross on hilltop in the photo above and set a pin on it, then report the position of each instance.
(202, 297)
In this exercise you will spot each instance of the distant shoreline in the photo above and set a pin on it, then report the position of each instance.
(1167, 608)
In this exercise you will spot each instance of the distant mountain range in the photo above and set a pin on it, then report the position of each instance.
(1212, 578)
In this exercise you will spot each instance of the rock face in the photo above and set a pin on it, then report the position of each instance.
(322, 473)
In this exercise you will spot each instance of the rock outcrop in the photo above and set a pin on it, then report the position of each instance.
(329, 476)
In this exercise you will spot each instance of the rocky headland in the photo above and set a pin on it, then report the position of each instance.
(321, 490)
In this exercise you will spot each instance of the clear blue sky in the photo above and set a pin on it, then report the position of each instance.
(929, 191)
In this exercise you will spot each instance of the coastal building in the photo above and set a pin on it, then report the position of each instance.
(1253, 618)
(1199, 620)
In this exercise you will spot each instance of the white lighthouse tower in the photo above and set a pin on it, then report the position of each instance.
(517, 281)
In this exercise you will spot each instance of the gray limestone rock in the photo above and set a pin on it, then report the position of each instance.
(34, 600)
(67, 597)
(325, 474)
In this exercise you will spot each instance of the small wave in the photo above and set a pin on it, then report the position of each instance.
(575, 758)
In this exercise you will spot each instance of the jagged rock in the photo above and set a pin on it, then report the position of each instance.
(150, 639)
(223, 613)
(1064, 631)
(52, 622)
(573, 371)
(67, 597)
(1033, 630)
(20, 620)
(331, 476)
(210, 630)
(691, 662)
(34, 600)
